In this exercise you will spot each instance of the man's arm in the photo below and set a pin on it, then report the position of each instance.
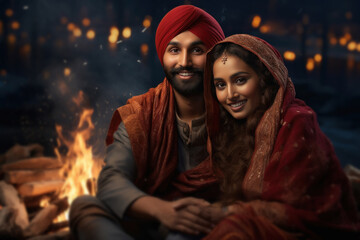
(117, 190)
(115, 184)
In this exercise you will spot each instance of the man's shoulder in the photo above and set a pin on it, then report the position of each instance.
(147, 100)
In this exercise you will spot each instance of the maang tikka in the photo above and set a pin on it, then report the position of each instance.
(224, 58)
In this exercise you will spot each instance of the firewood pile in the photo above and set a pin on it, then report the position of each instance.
(353, 174)
(27, 180)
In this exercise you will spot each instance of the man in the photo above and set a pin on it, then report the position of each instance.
(157, 145)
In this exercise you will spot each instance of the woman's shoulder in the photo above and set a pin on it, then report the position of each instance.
(298, 110)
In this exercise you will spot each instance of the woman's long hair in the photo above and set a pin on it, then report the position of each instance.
(234, 145)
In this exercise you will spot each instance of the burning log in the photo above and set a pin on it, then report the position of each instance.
(31, 189)
(34, 202)
(23, 176)
(58, 226)
(33, 163)
(9, 198)
(42, 221)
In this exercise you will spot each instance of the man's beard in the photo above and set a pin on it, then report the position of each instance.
(189, 87)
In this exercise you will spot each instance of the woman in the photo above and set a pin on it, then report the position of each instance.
(279, 173)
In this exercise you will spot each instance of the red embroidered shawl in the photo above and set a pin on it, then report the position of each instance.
(150, 123)
(294, 181)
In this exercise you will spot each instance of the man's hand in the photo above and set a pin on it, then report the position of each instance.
(183, 215)
(214, 213)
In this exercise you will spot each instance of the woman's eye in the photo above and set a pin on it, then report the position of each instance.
(240, 80)
(220, 85)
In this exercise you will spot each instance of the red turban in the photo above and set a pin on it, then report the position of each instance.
(187, 18)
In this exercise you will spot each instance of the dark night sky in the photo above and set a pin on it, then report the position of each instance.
(35, 94)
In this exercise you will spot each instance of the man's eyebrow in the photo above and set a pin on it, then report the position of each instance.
(174, 43)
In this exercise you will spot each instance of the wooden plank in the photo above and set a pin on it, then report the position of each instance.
(352, 171)
(8, 226)
(23, 176)
(31, 189)
(33, 163)
(44, 218)
(9, 197)
(18, 152)
(61, 235)
(41, 221)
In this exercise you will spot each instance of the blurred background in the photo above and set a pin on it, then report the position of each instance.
(58, 58)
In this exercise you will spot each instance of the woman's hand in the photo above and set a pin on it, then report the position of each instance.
(215, 213)
(183, 215)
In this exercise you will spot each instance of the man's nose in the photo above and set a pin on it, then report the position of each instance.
(185, 59)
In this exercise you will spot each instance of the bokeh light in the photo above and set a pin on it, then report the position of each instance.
(310, 64)
(126, 32)
(289, 55)
(90, 34)
(9, 12)
(342, 41)
(144, 49)
(114, 31)
(147, 21)
(333, 41)
(264, 29)
(11, 39)
(86, 22)
(67, 72)
(15, 25)
(351, 46)
(77, 32)
(318, 57)
(71, 26)
(256, 21)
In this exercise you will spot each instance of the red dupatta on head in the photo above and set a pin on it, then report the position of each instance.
(294, 181)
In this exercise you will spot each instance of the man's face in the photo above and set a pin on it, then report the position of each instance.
(184, 62)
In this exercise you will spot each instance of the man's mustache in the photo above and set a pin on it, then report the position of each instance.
(189, 69)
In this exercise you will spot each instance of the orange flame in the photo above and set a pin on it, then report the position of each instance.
(80, 169)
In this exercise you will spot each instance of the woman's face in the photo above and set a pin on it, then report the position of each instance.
(237, 86)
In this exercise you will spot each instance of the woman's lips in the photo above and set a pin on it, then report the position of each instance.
(237, 106)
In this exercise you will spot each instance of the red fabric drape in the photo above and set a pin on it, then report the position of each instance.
(294, 182)
(150, 123)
